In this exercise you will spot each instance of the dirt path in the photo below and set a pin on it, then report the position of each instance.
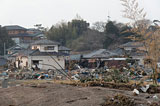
(63, 95)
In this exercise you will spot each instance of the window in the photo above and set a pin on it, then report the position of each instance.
(49, 48)
(35, 47)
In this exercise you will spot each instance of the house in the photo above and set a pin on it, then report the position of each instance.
(135, 50)
(97, 58)
(100, 54)
(132, 45)
(15, 29)
(44, 54)
(18, 34)
(15, 49)
(63, 49)
(21, 35)
(47, 55)
(36, 33)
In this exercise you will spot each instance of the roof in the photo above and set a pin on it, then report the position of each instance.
(101, 53)
(22, 35)
(62, 48)
(18, 47)
(14, 27)
(75, 57)
(119, 51)
(45, 42)
(141, 54)
(37, 34)
(24, 52)
(33, 29)
(132, 44)
(38, 53)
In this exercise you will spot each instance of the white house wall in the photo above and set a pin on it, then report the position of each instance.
(24, 62)
(47, 60)
(42, 48)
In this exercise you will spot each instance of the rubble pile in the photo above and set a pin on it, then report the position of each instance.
(119, 100)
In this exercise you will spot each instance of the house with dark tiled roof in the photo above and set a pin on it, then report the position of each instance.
(18, 34)
(47, 55)
(135, 50)
(22, 35)
(132, 45)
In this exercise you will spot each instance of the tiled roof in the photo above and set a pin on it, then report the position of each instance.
(14, 27)
(62, 48)
(132, 44)
(45, 42)
(101, 53)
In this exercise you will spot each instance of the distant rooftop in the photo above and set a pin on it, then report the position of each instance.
(62, 48)
(14, 27)
(101, 53)
(45, 42)
(132, 44)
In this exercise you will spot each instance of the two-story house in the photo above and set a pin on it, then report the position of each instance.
(46, 55)
(18, 34)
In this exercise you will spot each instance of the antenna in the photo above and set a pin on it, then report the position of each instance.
(108, 16)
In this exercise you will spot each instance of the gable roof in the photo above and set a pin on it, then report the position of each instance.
(132, 44)
(101, 53)
(62, 48)
(14, 27)
(45, 42)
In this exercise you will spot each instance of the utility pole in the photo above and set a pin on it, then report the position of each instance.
(4, 49)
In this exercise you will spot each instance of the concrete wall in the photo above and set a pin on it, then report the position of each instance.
(47, 60)
(24, 62)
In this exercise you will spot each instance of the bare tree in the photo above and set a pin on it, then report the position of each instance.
(149, 35)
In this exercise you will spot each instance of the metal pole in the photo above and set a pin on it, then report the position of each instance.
(4, 49)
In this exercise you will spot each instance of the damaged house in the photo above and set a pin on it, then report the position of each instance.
(42, 54)
(135, 50)
(103, 57)
(47, 55)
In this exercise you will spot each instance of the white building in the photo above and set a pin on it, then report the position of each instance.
(47, 55)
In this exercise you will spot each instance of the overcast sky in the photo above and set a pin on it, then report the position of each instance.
(48, 12)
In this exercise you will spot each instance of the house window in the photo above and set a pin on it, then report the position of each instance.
(34, 47)
(49, 48)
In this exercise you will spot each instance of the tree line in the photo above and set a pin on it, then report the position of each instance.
(79, 35)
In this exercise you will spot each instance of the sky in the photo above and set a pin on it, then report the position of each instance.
(27, 13)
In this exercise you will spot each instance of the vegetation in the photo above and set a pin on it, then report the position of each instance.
(79, 36)
(145, 32)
